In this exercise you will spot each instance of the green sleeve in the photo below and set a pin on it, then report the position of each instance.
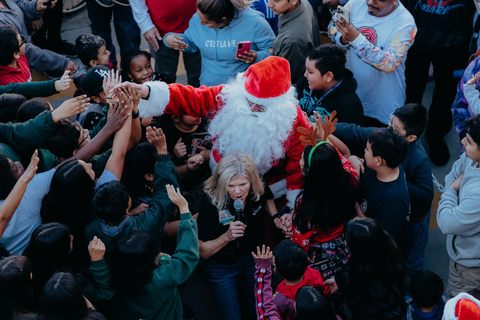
(99, 287)
(30, 134)
(153, 220)
(31, 89)
(99, 162)
(180, 266)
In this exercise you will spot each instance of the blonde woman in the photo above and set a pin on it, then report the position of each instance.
(215, 31)
(225, 244)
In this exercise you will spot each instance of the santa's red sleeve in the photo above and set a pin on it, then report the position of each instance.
(294, 151)
(180, 100)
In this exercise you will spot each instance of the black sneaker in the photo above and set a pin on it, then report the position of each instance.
(439, 153)
(64, 48)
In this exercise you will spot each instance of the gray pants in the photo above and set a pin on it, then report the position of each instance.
(462, 279)
(166, 61)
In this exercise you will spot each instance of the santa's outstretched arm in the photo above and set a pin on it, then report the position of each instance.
(159, 98)
(294, 153)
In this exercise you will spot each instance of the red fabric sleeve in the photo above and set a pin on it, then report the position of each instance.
(196, 102)
(294, 150)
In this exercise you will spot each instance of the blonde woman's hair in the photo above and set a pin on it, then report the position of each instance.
(233, 165)
(215, 10)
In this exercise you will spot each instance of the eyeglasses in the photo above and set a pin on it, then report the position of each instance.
(21, 43)
(85, 136)
(259, 107)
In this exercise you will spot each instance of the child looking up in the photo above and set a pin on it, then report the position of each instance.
(13, 62)
(137, 68)
(291, 261)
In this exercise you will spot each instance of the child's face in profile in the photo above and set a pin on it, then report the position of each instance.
(103, 56)
(140, 69)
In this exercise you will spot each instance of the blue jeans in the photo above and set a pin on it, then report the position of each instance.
(232, 286)
(126, 29)
(416, 258)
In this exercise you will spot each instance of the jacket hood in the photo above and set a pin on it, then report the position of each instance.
(349, 84)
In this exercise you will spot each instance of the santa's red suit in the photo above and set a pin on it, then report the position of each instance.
(270, 138)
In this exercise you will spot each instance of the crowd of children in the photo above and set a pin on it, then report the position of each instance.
(303, 212)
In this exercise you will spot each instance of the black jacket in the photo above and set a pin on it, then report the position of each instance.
(343, 99)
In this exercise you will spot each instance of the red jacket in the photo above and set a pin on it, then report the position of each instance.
(19, 74)
(171, 15)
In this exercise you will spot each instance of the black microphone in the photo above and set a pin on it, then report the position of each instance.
(238, 205)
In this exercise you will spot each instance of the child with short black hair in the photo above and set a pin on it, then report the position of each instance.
(137, 68)
(291, 261)
(428, 302)
(14, 66)
(384, 188)
(9, 104)
(92, 52)
(327, 85)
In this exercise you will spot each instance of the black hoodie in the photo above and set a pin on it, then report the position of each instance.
(343, 99)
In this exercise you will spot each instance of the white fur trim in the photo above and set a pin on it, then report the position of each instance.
(158, 100)
(291, 196)
(279, 188)
(449, 312)
(274, 100)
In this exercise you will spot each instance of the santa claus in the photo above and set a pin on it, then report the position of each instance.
(257, 113)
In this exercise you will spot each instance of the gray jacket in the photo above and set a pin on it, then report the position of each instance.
(298, 33)
(458, 215)
(22, 12)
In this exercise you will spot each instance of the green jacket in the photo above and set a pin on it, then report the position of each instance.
(153, 220)
(31, 89)
(161, 300)
(30, 134)
(109, 143)
(99, 288)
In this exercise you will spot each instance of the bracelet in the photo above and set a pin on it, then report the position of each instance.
(135, 115)
(275, 216)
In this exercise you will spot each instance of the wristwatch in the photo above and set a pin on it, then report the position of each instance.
(275, 216)
(135, 115)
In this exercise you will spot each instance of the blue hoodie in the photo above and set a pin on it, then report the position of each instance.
(218, 47)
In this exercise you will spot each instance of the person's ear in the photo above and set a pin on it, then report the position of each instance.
(149, 177)
(130, 75)
(175, 118)
(294, 2)
(328, 76)
(93, 63)
(74, 151)
(379, 161)
(223, 20)
(411, 138)
(16, 55)
(96, 99)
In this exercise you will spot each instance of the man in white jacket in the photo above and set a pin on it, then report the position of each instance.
(458, 214)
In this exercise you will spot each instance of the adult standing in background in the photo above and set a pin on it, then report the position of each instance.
(128, 33)
(215, 31)
(443, 38)
(298, 33)
(155, 19)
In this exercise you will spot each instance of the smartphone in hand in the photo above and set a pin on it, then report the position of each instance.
(243, 47)
(344, 13)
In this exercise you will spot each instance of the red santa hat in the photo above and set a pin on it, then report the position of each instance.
(267, 79)
(462, 307)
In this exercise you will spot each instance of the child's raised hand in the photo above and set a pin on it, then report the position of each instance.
(70, 108)
(194, 162)
(31, 169)
(63, 83)
(177, 198)
(96, 249)
(117, 115)
(156, 137)
(474, 79)
(110, 81)
(264, 253)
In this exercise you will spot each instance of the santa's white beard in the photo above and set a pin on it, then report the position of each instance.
(261, 135)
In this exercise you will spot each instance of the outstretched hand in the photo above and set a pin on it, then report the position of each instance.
(175, 42)
(474, 79)
(96, 249)
(70, 108)
(156, 137)
(177, 198)
(110, 81)
(63, 83)
(117, 115)
(263, 253)
(31, 169)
